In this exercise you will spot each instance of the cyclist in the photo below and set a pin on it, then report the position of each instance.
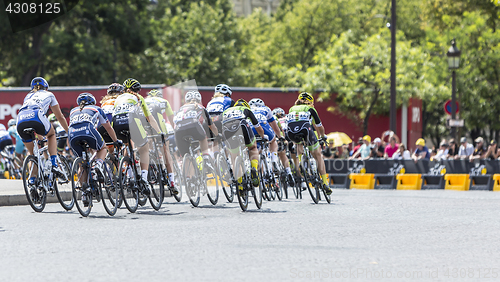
(159, 106)
(127, 116)
(301, 119)
(33, 114)
(280, 115)
(234, 120)
(220, 102)
(83, 123)
(107, 106)
(19, 143)
(271, 129)
(190, 120)
(5, 138)
(61, 143)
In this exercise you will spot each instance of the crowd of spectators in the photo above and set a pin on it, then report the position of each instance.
(388, 146)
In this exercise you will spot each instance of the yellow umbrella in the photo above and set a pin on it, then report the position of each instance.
(338, 138)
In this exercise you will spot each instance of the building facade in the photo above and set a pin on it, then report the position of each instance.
(244, 8)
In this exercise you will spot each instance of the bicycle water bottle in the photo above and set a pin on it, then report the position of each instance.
(199, 162)
(313, 164)
(48, 167)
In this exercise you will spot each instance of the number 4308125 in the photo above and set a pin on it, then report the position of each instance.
(33, 8)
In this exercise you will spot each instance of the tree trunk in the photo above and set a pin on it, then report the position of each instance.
(36, 46)
(369, 111)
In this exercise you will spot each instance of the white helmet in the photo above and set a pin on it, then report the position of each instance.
(256, 102)
(224, 89)
(12, 122)
(193, 94)
(2, 127)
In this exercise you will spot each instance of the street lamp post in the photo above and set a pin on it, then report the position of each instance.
(392, 115)
(453, 64)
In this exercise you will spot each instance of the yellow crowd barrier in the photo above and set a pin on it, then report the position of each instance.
(412, 181)
(458, 182)
(362, 181)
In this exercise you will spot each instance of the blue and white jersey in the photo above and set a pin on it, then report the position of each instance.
(4, 135)
(39, 100)
(263, 114)
(219, 104)
(90, 114)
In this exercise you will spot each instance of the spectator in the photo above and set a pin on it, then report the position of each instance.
(378, 149)
(479, 151)
(422, 152)
(391, 148)
(401, 153)
(452, 150)
(345, 152)
(328, 151)
(443, 151)
(364, 150)
(493, 151)
(465, 150)
(360, 143)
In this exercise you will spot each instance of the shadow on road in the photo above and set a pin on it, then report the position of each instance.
(265, 211)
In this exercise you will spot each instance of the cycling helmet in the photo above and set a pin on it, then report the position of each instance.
(279, 112)
(2, 127)
(241, 102)
(87, 98)
(256, 102)
(52, 117)
(115, 88)
(306, 96)
(224, 89)
(155, 93)
(12, 122)
(132, 84)
(190, 95)
(39, 81)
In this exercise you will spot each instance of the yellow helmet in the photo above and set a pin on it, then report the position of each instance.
(306, 96)
(367, 138)
(132, 84)
(420, 142)
(155, 93)
(242, 102)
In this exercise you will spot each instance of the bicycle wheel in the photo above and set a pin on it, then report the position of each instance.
(190, 171)
(212, 179)
(278, 188)
(225, 175)
(263, 178)
(110, 189)
(243, 181)
(179, 179)
(35, 194)
(80, 189)
(128, 189)
(155, 181)
(63, 185)
(310, 181)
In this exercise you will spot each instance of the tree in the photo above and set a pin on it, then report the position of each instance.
(360, 74)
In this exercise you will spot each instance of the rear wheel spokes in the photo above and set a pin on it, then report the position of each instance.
(35, 194)
(179, 180)
(212, 180)
(225, 176)
(128, 187)
(155, 181)
(63, 185)
(110, 188)
(192, 182)
(242, 183)
(80, 189)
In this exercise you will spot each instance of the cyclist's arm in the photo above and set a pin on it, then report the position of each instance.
(276, 128)
(249, 114)
(317, 122)
(110, 131)
(60, 117)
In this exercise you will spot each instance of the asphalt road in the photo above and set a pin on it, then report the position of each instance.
(361, 236)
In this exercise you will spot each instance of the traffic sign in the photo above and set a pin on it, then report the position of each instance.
(447, 107)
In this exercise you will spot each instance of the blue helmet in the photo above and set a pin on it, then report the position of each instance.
(87, 98)
(224, 89)
(39, 81)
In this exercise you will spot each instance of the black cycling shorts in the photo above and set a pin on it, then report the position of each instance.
(232, 128)
(5, 143)
(194, 130)
(105, 135)
(299, 131)
(134, 128)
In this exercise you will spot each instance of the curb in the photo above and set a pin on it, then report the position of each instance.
(18, 200)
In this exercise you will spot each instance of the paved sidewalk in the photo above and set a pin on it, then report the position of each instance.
(12, 193)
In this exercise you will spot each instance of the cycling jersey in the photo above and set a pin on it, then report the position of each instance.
(5, 139)
(89, 114)
(83, 127)
(108, 107)
(219, 104)
(303, 113)
(234, 121)
(158, 106)
(40, 100)
(264, 115)
(19, 143)
(239, 113)
(282, 122)
(127, 103)
(191, 113)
